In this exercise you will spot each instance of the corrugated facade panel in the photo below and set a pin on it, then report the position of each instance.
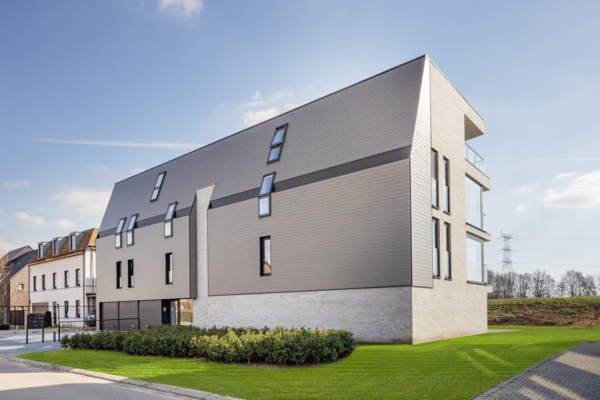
(352, 231)
(148, 253)
(194, 252)
(420, 167)
(369, 118)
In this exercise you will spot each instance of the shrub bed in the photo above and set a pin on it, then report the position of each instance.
(4, 327)
(278, 346)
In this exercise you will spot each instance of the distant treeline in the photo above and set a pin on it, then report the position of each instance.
(540, 284)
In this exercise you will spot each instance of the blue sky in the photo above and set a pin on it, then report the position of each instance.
(94, 92)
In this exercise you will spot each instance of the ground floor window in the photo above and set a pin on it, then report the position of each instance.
(66, 309)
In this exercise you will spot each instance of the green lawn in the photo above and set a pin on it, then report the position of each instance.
(448, 369)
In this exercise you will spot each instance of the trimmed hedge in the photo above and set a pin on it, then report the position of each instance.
(4, 327)
(278, 346)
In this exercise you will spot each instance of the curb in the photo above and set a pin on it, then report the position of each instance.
(159, 387)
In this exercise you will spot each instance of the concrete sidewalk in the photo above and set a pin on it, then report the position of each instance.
(572, 374)
(25, 379)
(15, 344)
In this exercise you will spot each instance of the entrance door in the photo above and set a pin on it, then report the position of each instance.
(169, 312)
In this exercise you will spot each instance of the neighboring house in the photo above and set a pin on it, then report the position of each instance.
(358, 210)
(62, 277)
(14, 299)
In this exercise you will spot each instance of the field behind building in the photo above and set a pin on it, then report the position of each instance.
(569, 311)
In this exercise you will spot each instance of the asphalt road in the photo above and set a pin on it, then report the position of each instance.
(21, 382)
(15, 343)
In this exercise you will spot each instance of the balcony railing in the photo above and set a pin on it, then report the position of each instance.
(474, 158)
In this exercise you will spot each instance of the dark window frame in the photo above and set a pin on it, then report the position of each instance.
(130, 228)
(43, 282)
(448, 249)
(78, 277)
(130, 274)
(158, 186)
(66, 275)
(119, 233)
(77, 308)
(168, 268)
(40, 251)
(266, 195)
(435, 175)
(35, 283)
(66, 309)
(446, 164)
(436, 245)
(169, 221)
(119, 275)
(55, 248)
(262, 256)
(277, 144)
(54, 280)
(483, 266)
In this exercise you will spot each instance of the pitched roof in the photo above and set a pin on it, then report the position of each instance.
(362, 120)
(13, 254)
(89, 239)
(20, 262)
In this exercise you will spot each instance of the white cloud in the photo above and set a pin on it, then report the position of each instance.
(16, 184)
(2, 211)
(83, 201)
(254, 117)
(565, 175)
(582, 192)
(521, 207)
(121, 144)
(180, 8)
(64, 224)
(30, 220)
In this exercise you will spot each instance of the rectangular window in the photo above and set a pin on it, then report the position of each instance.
(475, 266)
(169, 268)
(130, 228)
(265, 256)
(119, 283)
(73, 242)
(77, 308)
(56, 246)
(118, 241)
(474, 203)
(35, 283)
(78, 277)
(66, 279)
(264, 199)
(169, 220)
(448, 258)
(130, 273)
(446, 185)
(434, 178)
(40, 251)
(277, 144)
(157, 186)
(21, 286)
(43, 282)
(436, 247)
(66, 309)
(54, 280)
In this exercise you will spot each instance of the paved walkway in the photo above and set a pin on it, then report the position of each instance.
(573, 374)
(15, 343)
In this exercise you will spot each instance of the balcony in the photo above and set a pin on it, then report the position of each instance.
(474, 158)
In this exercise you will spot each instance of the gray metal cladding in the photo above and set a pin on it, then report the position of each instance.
(352, 231)
(148, 253)
(193, 252)
(368, 118)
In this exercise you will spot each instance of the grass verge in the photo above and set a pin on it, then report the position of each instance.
(578, 311)
(448, 369)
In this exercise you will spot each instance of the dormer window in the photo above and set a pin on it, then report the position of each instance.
(56, 246)
(169, 220)
(130, 228)
(118, 241)
(41, 250)
(73, 241)
(264, 196)
(277, 144)
(157, 186)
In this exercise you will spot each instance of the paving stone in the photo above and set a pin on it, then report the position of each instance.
(573, 374)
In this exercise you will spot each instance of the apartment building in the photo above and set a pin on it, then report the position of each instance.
(62, 277)
(360, 210)
(14, 297)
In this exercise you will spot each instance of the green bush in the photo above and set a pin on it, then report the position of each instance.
(278, 346)
(4, 327)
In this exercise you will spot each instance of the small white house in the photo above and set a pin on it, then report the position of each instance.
(62, 277)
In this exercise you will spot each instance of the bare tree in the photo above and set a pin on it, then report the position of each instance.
(588, 285)
(522, 285)
(572, 282)
(538, 281)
